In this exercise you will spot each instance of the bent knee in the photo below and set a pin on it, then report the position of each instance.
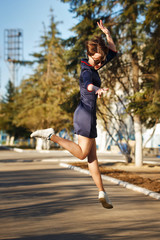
(83, 156)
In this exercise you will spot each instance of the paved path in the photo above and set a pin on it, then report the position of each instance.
(43, 201)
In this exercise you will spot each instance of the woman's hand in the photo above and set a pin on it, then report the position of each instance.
(103, 28)
(110, 42)
(100, 91)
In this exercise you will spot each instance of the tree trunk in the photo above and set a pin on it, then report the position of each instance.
(39, 144)
(138, 142)
(11, 143)
(127, 158)
(7, 140)
(137, 121)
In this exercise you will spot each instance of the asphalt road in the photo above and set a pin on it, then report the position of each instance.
(31, 155)
(40, 200)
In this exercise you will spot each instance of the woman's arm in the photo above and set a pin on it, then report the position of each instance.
(97, 90)
(87, 79)
(111, 44)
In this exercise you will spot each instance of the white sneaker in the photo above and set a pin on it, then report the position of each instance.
(103, 198)
(45, 133)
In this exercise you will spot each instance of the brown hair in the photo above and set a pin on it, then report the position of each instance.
(97, 45)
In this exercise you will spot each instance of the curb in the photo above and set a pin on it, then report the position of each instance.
(18, 150)
(116, 181)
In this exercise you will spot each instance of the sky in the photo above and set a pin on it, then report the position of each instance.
(29, 15)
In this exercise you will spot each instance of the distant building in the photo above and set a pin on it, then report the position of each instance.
(154, 142)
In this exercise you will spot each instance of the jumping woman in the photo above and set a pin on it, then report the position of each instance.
(98, 54)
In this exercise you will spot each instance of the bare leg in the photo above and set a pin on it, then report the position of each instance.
(85, 147)
(80, 150)
(94, 168)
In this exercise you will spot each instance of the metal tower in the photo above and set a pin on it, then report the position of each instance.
(13, 50)
(0, 87)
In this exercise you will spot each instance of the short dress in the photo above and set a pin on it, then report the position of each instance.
(85, 114)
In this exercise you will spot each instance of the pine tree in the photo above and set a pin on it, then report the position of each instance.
(43, 92)
(151, 64)
(8, 113)
(7, 110)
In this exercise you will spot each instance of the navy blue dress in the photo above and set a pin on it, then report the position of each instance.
(85, 114)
